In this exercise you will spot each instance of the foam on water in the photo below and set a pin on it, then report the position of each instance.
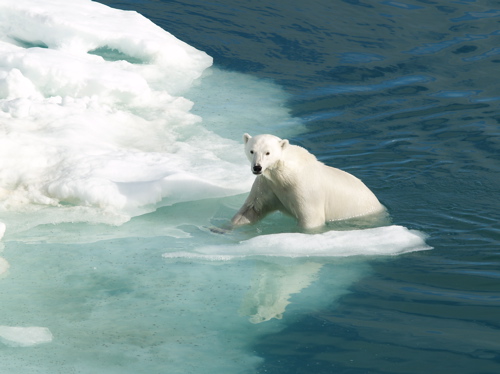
(107, 119)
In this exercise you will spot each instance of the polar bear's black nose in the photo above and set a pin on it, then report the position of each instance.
(257, 169)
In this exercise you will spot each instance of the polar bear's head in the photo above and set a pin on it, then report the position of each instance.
(263, 151)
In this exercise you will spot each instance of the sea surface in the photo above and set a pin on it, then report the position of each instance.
(403, 94)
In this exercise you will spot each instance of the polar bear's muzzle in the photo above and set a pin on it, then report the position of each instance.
(257, 169)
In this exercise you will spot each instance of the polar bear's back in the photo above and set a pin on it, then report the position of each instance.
(342, 195)
(347, 196)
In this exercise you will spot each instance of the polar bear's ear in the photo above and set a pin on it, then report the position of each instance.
(246, 138)
(284, 143)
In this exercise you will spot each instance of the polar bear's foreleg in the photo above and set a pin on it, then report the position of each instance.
(253, 211)
(246, 215)
(260, 202)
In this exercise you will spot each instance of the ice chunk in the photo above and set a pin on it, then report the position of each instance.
(89, 33)
(4, 266)
(389, 240)
(24, 336)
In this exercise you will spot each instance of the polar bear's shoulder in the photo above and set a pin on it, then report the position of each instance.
(297, 157)
(298, 152)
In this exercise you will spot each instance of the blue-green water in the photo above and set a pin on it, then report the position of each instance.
(406, 95)
(402, 94)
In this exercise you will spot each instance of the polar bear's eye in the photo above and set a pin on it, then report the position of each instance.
(268, 153)
(251, 152)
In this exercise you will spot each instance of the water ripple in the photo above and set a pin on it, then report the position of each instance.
(343, 89)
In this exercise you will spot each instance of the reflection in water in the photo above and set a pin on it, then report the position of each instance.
(272, 286)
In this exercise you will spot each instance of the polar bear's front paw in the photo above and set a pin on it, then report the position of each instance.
(219, 230)
(239, 220)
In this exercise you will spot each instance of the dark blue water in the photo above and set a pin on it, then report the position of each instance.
(405, 95)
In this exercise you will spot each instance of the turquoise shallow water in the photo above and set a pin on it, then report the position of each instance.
(401, 94)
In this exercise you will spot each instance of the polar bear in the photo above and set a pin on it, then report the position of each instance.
(293, 181)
